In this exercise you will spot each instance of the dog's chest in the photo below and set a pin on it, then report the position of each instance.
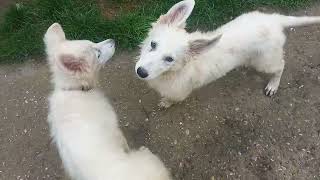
(171, 87)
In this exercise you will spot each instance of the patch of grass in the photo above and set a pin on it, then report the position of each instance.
(24, 25)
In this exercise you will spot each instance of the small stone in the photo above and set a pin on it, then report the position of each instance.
(187, 132)
(25, 131)
(181, 165)
(175, 142)
(140, 101)
(237, 109)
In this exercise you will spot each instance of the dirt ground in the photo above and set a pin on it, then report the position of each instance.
(227, 130)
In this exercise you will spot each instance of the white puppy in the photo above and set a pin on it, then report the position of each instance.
(175, 62)
(83, 124)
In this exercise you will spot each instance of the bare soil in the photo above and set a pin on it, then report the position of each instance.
(227, 130)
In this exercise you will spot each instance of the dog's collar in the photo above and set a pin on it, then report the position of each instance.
(82, 88)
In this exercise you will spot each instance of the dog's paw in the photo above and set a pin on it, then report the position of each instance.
(143, 148)
(164, 103)
(271, 89)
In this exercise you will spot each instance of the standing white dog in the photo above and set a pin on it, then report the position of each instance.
(83, 123)
(175, 62)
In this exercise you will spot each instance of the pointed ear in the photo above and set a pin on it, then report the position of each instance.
(178, 14)
(200, 45)
(54, 35)
(72, 64)
(105, 50)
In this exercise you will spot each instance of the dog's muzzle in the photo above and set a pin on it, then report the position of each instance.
(142, 73)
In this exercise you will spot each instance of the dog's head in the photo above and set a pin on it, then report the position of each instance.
(168, 46)
(75, 63)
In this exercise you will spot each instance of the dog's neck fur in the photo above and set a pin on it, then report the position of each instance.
(71, 84)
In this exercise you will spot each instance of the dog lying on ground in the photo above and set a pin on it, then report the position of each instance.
(83, 124)
(175, 62)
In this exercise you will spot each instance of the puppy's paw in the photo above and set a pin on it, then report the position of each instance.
(165, 103)
(271, 89)
(143, 148)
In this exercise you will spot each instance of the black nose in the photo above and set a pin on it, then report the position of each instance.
(142, 72)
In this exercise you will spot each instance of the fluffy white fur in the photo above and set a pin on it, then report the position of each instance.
(254, 39)
(83, 124)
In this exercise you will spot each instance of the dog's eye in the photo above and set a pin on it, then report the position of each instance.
(153, 45)
(98, 53)
(168, 59)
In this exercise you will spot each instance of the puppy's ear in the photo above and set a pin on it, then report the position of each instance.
(72, 64)
(54, 35)
(178, 14)
(199, 45)
(105, 50)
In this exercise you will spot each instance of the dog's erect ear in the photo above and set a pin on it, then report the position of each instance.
(178, 14)
(72, 64)
(199, 45)
(54, 35)
(105, 50)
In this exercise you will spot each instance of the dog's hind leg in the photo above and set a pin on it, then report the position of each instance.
(271, 63)
(273, 84)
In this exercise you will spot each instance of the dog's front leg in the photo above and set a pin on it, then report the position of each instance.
(165, 102)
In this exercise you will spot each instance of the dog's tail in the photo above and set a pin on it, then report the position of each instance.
(292, 21)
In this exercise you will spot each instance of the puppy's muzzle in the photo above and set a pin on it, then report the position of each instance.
(142, 73)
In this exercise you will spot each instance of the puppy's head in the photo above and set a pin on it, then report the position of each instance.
(75, 64)
(168, 46)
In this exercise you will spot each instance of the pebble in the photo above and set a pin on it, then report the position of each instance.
(175, 142)
(187, 132)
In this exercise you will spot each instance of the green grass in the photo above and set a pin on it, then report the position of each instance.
(23, 27)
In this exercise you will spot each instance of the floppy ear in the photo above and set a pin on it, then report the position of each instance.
(199, 45)
(54, 35)
(178, 14)
(72, 64)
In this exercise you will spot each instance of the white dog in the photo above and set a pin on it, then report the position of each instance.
(175, 62)
(83, 123)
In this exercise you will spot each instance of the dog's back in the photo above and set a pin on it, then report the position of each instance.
(85, 129)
